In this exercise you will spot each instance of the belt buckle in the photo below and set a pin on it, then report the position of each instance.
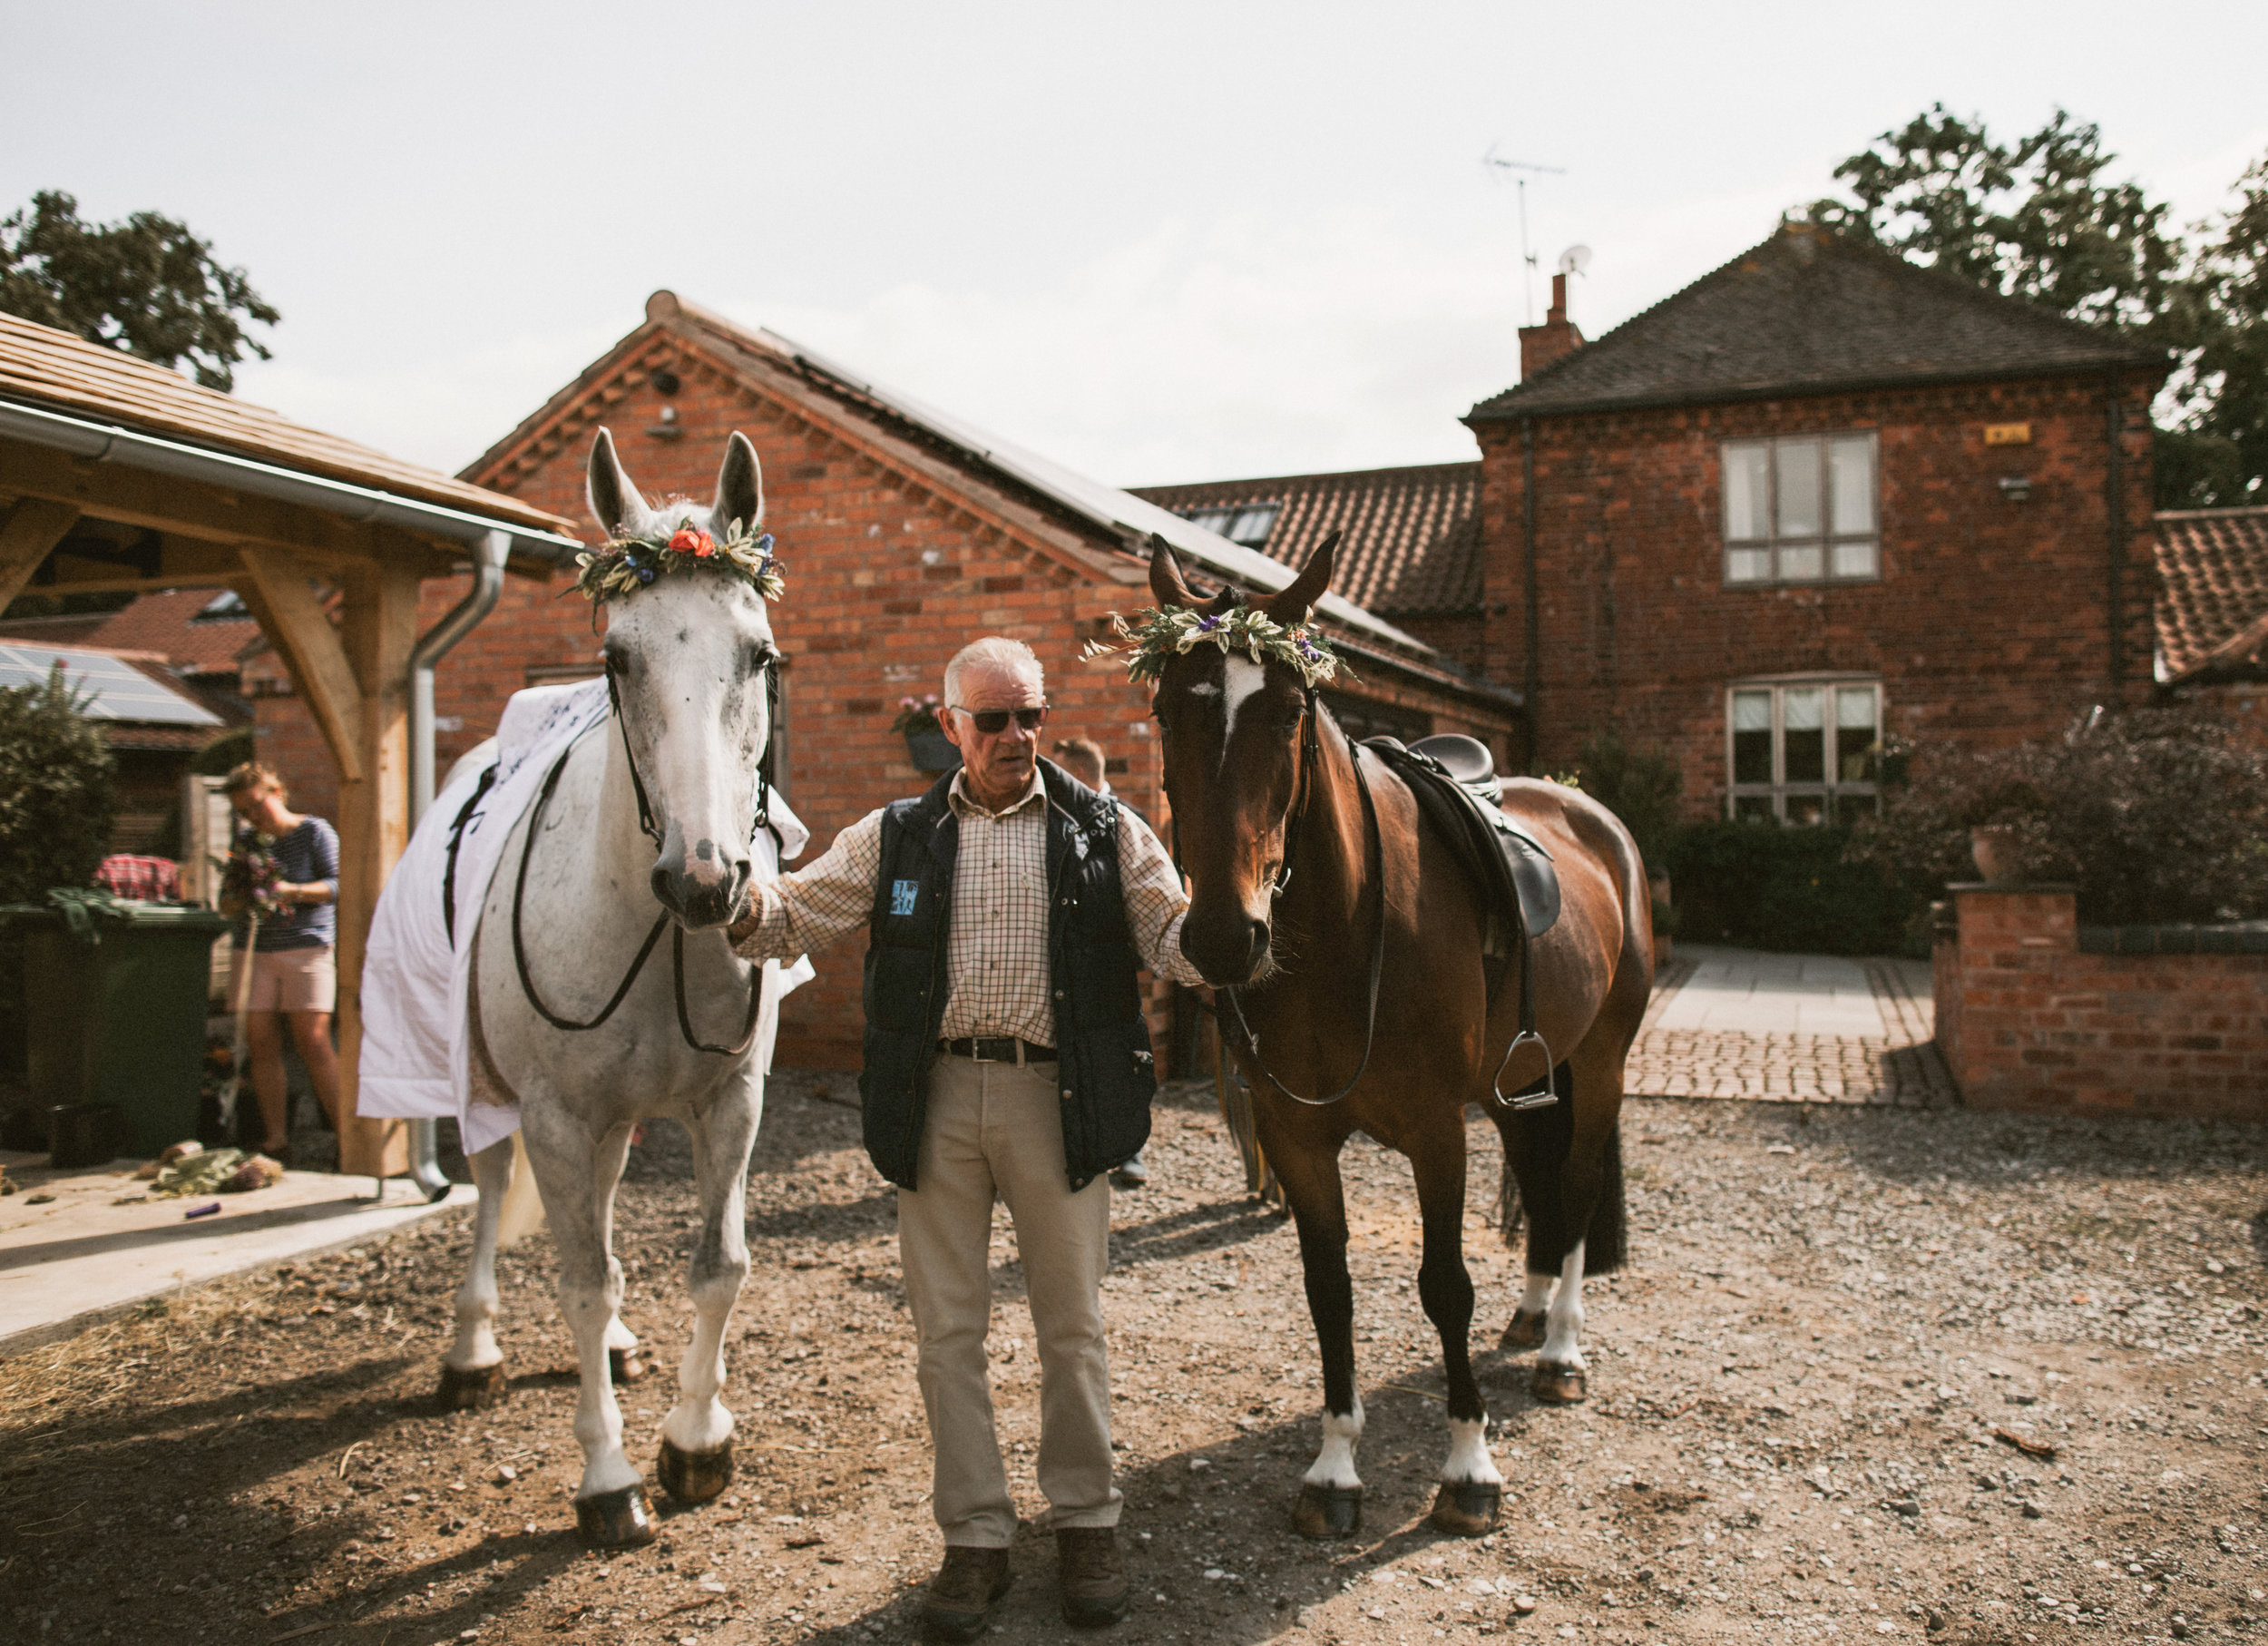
(976, 1051)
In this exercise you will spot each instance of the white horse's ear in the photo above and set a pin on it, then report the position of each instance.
(614, 501)
(739, 486)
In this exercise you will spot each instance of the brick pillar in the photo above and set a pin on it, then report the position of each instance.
(2006, 941)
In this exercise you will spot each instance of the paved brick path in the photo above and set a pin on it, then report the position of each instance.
(1791, 1028)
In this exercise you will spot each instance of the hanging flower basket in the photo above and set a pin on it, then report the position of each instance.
(930, 751)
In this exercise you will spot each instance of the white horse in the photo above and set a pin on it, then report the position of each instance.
(691, 662)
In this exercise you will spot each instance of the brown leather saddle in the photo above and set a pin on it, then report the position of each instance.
(1454, 780)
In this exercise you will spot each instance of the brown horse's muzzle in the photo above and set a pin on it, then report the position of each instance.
(1225, 942)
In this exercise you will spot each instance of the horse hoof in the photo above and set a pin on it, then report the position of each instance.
(1559, 1385)
(622, 1519)
(472, 1391)
(1467, 1508)
(1525, 1332)
(695, 1477)
(623, 1367)
(1327, 1511)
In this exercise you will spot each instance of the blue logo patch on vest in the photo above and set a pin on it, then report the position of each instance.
(902, 893)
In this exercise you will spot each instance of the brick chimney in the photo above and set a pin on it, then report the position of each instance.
(1542, 345)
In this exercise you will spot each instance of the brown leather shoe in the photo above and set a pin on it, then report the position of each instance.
(1087, 1562)
(963, 1591)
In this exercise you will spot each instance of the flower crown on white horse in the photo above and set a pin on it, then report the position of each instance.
(659, 803)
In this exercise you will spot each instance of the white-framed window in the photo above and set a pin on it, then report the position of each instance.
(1802, 509)
(1803, 750)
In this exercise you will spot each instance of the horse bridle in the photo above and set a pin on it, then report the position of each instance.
(1310, 756)
(765, 769)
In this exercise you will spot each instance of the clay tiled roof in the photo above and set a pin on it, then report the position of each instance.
(1810, 312)
(1410, 539)
(172, 625)
(2212, 607)
(66, 373)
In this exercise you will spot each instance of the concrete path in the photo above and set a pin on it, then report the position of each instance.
(102, 1243)
(1790, 1028)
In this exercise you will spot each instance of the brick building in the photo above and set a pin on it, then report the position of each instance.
(903, 535)
(2212, 611)
(1818, 497)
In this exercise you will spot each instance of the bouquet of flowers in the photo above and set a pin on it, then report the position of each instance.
(917, 714)
(250, 878)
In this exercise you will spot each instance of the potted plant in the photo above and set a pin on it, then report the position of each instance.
(925, 742)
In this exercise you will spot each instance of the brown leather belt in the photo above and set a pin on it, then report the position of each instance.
(997, 1049)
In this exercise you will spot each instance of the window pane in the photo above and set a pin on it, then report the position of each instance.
(1854, 559)
(1801, 564)
(1807, 809)
(1803, 744)
(1251, 526)
(1854, 734)
(1798, 466)
(1213, 520)
(1751, 736)
(1748, 565)
(1852, 462)
(1745, 481)
(1753, 809)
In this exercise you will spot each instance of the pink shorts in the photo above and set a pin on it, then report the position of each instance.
(294, 980)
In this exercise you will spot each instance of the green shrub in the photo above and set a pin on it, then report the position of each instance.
(58, 791)
(1767, 885)
(1640, 786)
(2157, 815)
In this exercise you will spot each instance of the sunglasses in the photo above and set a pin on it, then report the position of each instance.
(992, 722)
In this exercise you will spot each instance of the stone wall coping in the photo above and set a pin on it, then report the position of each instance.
(2220, 937)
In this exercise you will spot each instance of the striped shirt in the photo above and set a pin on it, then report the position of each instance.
(996, 949)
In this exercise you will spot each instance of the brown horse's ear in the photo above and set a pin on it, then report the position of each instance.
(1164, 575)
(1291, 607)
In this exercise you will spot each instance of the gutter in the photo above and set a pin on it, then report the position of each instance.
(108, 443)
(488, 582)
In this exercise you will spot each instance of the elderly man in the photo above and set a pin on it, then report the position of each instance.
(1006, 1055)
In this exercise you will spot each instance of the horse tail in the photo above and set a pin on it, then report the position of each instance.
(1606, 1243)
(522, 1211)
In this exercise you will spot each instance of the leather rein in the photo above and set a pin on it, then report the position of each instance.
(1310, 757)
(763, 820)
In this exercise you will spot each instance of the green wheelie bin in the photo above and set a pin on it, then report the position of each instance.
(115, 1002)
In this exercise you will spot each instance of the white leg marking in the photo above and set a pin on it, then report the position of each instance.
(1469, 1458)
(1563, 1327)
(1335, 1464)
(1240, 678)
(1537, 1298)
(475, 1346)
(619, 1336)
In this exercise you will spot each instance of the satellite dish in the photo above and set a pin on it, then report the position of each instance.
(1575, 260)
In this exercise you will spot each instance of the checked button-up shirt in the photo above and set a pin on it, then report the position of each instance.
(996, 948)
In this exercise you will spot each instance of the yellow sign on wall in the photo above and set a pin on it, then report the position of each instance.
(2008, 433)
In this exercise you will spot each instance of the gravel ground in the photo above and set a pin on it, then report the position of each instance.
(1805, 1395)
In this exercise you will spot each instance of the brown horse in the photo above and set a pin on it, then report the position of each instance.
(1356, 996)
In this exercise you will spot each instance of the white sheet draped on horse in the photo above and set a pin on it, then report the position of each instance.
(416, 1056)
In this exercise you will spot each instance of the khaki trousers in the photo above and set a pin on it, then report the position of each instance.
(996, 1128)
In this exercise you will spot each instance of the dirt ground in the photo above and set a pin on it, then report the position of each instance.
(1804, 1391)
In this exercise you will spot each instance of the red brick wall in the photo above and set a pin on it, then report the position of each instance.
(1989, 625)
(2026, 1021)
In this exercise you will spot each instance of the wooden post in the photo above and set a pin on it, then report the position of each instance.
(379, 630)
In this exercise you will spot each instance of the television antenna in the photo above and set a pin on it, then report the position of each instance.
(1527, 253)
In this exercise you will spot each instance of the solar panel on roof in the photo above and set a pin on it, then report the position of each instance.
(112, 689)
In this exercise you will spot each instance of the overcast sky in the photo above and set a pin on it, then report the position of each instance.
(1158, 243)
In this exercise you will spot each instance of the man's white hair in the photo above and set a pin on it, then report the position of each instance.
(993, 651)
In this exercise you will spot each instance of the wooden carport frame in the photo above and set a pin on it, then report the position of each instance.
(116, 474)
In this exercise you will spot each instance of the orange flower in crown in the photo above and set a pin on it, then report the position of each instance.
(695, 542)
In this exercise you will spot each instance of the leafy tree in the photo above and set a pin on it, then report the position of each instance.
(2040, 219)
(1640, 786)
(146, 286)
(57, 790)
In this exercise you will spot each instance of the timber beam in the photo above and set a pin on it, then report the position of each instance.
(32, 527)
(276, 587)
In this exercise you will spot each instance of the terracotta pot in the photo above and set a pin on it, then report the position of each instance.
(1997, 848)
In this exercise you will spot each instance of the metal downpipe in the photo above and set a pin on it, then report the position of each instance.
(488, 582)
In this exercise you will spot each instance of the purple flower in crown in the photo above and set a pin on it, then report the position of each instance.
(1206, 625)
